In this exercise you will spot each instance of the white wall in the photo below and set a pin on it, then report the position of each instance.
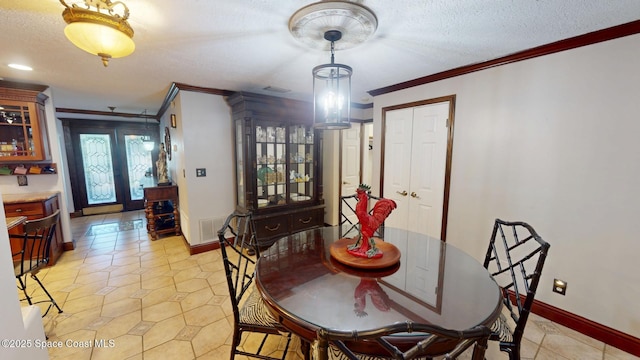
(204, 139)
(330, 175)
(552, 141)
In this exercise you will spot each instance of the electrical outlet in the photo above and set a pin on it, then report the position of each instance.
(200, 172)
(559, 286)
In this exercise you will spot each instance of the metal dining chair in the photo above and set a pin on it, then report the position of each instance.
(429, 341)
(250, 314)
(34, 256)
(515, 258)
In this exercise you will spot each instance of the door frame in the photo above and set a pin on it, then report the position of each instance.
(447, 177)
(117, 129)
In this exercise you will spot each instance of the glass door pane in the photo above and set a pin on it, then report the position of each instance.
(98, 168)
(139, 166)
(270, 165)
(301, 163)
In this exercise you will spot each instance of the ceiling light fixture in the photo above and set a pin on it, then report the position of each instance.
(147, 143)
(352, 24)
(104, 31)
(332, 91)
(20, 67)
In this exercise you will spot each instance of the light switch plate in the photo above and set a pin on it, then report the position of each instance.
(200, 172)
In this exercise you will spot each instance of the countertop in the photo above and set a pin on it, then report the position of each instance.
(28, 197)
(15, 221)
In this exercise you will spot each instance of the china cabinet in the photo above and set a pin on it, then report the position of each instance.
(23, 131)
(279, 164)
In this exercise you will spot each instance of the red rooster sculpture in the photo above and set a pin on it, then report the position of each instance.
(365, 246)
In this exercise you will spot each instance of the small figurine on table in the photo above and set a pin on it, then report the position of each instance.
(161, 165)
(365, 246)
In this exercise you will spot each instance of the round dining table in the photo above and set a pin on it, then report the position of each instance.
(306, 288)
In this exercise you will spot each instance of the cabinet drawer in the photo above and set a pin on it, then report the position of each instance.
(271, 227)
(307, 219)
(30, 210)
(160, 193)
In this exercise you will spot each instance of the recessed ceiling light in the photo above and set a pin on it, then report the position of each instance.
(20, 67)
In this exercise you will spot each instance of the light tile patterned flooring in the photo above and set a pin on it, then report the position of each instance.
(155, 301)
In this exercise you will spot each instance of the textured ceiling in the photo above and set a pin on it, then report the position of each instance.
(246, 45)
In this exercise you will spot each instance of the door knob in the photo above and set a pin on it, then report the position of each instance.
(345, 183)
(404, 193)
(414, 195)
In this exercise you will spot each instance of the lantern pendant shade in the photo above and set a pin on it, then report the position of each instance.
(147, 143)
(332, 92)
(332, 96)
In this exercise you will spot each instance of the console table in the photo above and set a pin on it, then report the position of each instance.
(161, 209)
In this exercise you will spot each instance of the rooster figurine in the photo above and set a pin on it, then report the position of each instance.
(379, 298)
(365, 246)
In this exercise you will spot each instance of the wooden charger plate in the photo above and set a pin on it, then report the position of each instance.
(390, 254)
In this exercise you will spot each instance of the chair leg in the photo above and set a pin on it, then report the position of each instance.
(512, 349)
(479, 349)
(34, 277)
(23, 288)
(235, 341)
(305, 346)
(323, 346)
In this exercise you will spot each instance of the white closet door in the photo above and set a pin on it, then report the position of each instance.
(428, 162)
(415, 155)
(397, 164)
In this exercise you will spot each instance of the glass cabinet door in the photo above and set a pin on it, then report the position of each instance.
(16, 131)
(240, 163)
(271, 165)
(301, 163)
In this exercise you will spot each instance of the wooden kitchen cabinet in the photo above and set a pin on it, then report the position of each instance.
(23, 129)
(34, 206)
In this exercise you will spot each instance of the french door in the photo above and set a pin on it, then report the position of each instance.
(109, 165)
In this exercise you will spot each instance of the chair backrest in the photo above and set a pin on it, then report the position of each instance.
(429, 341)
(237, 240)
(349, 225)
(515, 258)
(36, 243)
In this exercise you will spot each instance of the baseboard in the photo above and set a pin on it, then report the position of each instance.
(200, 248)
(607, 335)
(69, 246)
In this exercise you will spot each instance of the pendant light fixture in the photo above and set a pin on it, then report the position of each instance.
(103, 31)
(332, 91)
(344, 24)
(147, 143)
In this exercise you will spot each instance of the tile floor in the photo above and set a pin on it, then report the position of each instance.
(155, 301)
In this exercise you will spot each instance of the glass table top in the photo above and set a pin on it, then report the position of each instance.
(434, 283)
